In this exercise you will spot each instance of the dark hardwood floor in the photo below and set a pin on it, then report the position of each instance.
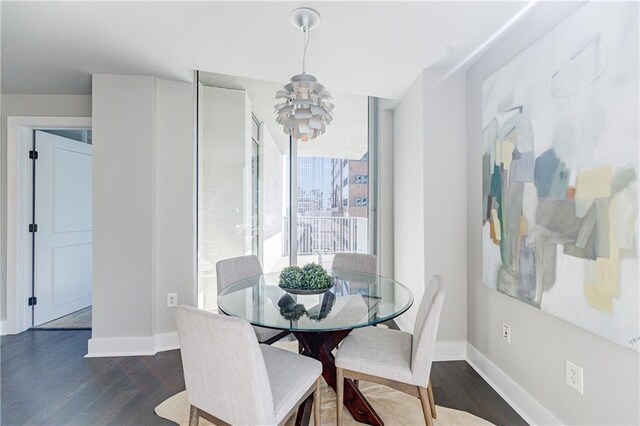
(47, 381)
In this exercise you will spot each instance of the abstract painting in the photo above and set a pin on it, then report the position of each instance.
(560, 173)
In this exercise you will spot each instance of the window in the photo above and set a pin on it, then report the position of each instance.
(361, 179)
(344, 163)
(345, 202)
(361, 201)
(345, 182)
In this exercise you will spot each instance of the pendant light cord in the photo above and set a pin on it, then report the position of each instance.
(306, 37)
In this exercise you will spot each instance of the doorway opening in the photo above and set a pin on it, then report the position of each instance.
(60, 228)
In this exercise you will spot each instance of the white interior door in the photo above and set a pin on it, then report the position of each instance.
(63, 254)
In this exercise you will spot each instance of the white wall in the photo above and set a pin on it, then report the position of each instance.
(445, 203)
(408, 196)
(143, 177)
(429, 170)
(28, 105)
(175, 231)
(123, 210)
(540, 343)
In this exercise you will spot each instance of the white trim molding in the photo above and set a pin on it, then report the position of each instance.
(167, 341)
(132, 346)
(519, 399)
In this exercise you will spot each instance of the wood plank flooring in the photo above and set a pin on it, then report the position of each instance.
(46, 380)
(79, 320)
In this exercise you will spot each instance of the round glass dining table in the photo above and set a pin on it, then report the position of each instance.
(321, 321)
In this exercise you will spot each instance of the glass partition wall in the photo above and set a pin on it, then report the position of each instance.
(259, 192)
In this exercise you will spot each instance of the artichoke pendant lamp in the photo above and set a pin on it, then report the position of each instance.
(304, 108)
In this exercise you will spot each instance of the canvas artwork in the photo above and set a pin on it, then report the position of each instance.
(560, 173)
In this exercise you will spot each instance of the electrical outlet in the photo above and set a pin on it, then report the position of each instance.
(172, 300)
(574, 377)
(506, 333)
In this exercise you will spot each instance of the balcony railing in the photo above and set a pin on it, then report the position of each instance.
(327, 235)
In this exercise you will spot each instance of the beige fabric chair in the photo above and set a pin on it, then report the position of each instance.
(231, 379)
(361, 263)
(230, 271)
(395, 358)
(357, 262)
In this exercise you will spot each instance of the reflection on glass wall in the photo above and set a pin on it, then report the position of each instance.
(244, 181)
(242, 198)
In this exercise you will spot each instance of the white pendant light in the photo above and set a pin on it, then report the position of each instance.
(305, 108)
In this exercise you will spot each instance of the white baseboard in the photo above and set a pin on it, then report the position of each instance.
(167, 341)
(519, 399)
(8, 327)
(131, 346)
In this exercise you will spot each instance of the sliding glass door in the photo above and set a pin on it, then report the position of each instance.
(332, 197)
(287, 202)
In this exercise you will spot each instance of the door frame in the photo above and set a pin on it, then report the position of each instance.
(19, 188)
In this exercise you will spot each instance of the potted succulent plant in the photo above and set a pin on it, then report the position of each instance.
(310, 279)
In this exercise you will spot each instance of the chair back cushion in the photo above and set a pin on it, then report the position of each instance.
(426, 328)
(356, 262)
(230, 271)
(224, 370)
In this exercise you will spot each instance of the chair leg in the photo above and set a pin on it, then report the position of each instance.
(194, 416)
(340, 395)
(432, 401)
(426, 407)
(316, 403)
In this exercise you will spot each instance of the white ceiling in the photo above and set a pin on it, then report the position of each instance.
(371, 48)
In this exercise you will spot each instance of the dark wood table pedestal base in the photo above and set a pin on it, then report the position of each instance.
(319, 346)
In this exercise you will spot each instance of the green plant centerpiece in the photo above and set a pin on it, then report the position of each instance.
(310, 279)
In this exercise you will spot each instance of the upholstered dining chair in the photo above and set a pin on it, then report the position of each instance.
(233, 380)
(356, 262)
(362, 263)
(230, 271)
(395, 358)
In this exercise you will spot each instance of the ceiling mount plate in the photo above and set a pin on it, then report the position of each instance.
(305, 17)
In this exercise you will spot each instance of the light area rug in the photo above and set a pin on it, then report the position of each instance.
(394, 407)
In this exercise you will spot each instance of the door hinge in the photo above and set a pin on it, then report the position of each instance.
(33, 227)
(32, 301)
(33, 155)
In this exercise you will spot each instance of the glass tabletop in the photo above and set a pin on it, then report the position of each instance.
(355, 300)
